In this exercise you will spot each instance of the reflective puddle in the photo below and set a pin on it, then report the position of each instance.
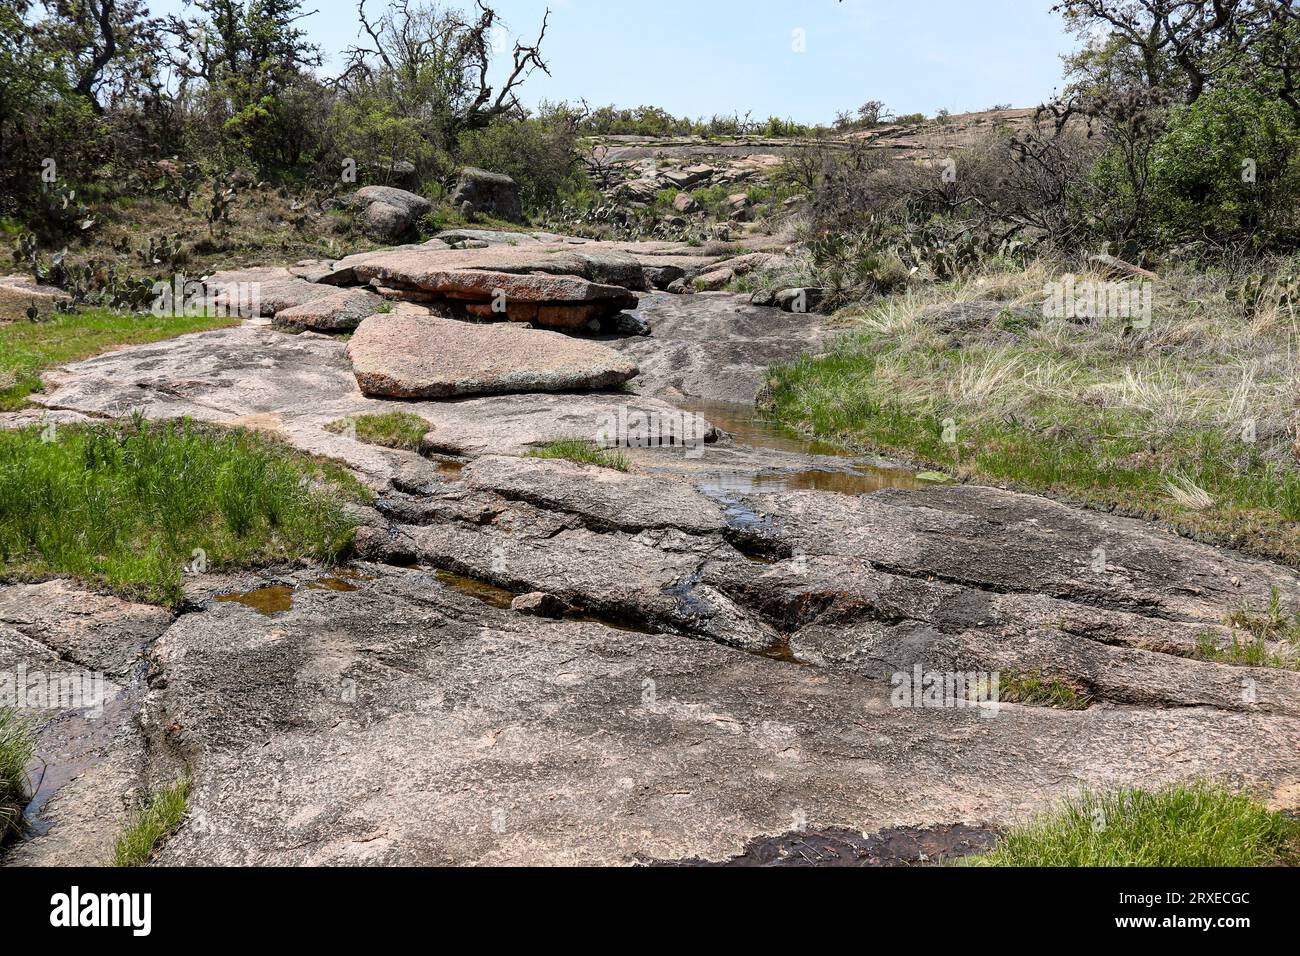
(332, 584)
(278, 598)
(273, 599)
(862, 480)
(748, 426)
(489, 594)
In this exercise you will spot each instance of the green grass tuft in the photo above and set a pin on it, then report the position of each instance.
(28, 347)
(156, 823)
(1271, 638)
(1041, 690)
(1193, 825)
(392, 430)
(582, 452)
(17, 748)
(130, 505)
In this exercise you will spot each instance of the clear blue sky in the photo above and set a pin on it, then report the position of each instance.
(699, 57)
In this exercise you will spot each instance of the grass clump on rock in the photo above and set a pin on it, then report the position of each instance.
(156, 823)
(582, 452)
(1042, 690)
(17, 747)
(392, 430)
(133, 505)
(1190, 825)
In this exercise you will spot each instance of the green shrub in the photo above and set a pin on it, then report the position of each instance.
(1202, 167)
(392, 430)
(159, 820)
(582, 452)
(539, 154)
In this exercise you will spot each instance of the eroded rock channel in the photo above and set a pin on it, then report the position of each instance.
(536, 661)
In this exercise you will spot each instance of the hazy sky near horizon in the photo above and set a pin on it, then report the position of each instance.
(700, 57)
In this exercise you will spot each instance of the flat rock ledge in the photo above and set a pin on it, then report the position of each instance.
(420, 357)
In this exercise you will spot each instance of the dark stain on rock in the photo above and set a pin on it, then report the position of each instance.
(837, 846)
(501, 598)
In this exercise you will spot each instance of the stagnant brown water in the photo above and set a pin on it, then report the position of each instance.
(749, 426)
(272, 599)
(278, 598)
(489, 594)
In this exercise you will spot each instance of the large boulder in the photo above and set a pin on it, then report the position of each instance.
(414, 357)
(389, 213)
(406, 263)
(479, 192)
(687, 203)
(398, 173)
(737, 207)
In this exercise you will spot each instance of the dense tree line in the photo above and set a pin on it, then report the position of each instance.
(1179, 123)
(93, 93)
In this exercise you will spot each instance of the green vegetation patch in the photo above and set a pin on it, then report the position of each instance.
(1042, 690)
(1269, 638)
(392, 430)
(582, 452)
(17, 748)
(1194, 825)
(159, 820)
(1186, 421)
(26, 348)
(132, 505)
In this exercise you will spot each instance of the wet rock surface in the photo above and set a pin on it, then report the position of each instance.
(71, 660)
(832, 847)
(696, 660)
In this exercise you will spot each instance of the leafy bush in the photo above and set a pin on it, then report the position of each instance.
(1228, 165)
(539, 154)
